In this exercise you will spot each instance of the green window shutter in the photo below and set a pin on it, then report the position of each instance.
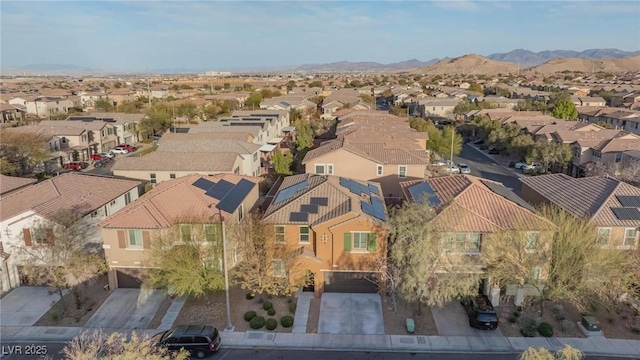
(372, 242)
(347, 241)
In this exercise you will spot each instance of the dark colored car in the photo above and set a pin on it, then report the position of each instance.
(479, 142)
(199, 340)
(482, 314)
(496, 150)
(76, 165)
(103, 163)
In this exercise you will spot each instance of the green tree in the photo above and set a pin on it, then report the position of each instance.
(105, 105)
(129, 107)
(402, 82)
(247, 87)
(439, 141)
(226, 86)
(117, 85)
(316, 83)
(187, 110)
(22, 150)
(355, 83)
(117, 346)
(425, 270)
(7, 168)
(282, 163)
(477, 88)
(187, 259)
(550, 152)
(254, 100)
(158, 118)
(521, 144)
(304, 135)
(565, 109)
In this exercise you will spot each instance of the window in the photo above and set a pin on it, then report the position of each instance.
(127, 198)
(532, 241)
(185, 232)
(113, 202)
(236, 170)
(135, 238)
(630, 236)
(255, 157)
(319, 169)
(152, 177)
(596, 153)
(618, 157)
(535, 273)
(279, 232)
(402, 171)
(360, 240)
(240, 212)
(212, 264)
(304, 234)
(379, 170)
(329, 169)
(461, 242)
(40, 236)
(603, 236)
(278, 268)
(172, 176)
(213, 233)
(474, 243)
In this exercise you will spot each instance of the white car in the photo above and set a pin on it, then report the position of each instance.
(119, 151)
(464, 168)
(109, 155)
(452, 169)
(524, 166)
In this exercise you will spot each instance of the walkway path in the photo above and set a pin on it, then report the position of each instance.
(172, 313)
(302, 312)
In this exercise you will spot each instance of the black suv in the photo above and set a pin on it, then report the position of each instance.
(199, 340)
(481, 313)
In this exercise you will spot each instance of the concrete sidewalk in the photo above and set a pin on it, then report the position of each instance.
(394, 343)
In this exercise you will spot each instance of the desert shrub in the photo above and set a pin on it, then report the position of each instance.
(249, 315)
(54, 315)
(260, 301)
(292, 308)
(257, 322)
(545, 329)
(567, 325)
(250, 296)
(635, 330)
(513, 319)
(267, 305)
(271, 312)
(286, 321)
(529, 327)
(271, 324)
(558, 309)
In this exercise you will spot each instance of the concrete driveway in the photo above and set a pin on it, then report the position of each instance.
(23, 306)
(342, 313)
(127, 309)
(452, 320)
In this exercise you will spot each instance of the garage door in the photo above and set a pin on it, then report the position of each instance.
(129, 278)
(350, 282)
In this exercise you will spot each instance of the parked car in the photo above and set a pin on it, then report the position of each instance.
(479, 142)
(524, 166)
(452, 169)
(464, 168)
(199, 340)
(109, 155)
(118, 150)
(441, 162)
(129, 148)
(495, 150)
(96, 157)
(104, 162)
(482, 315)
(76, 165)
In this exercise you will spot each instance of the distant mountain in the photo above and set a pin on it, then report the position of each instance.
(468, 64)
(528, 58)
(588, 65)
(348, 66)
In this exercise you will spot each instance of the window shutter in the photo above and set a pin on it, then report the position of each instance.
(347, 241)
(146, 240)
(27, 237)
(122, 241)
(49, 234)
(372, 242)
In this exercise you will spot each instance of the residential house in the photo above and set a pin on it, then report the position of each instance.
(336, 225)
(430, 107)
(25, 212)
(624, 99)
(611, 205)
(470, 210)
(125, 125)
(88, 99)
(183, 154)
(549, 131)
(580, 101)
(43, 106)
(119, 96)
(102, 135)
(627, 120)
(9, 184)
(375, 152)
(193, 205)
(11, 114)
(593, 147)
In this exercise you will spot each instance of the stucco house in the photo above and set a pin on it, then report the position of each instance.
(25, 212)
(202, 200)
(337, 225)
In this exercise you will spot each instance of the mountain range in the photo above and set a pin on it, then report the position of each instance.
(518, 58)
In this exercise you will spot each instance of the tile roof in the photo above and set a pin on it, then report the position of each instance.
(178, 161)
(216, 127)
(471, 205)
(73, 191)
(568, 136)
(10, 183)
(340, 200)
(119, 117)
(170, 202)
(203, 142)
(589, 197)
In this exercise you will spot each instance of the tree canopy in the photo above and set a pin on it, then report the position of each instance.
(116, 346)
(282, 163)
(565, 109)
(22, 152)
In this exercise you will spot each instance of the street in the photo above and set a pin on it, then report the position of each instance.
(487, 168)
(53, 351)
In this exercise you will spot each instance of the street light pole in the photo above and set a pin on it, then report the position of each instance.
(226, 275)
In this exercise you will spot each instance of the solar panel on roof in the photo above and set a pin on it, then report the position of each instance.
(203, 184)
(345, 183)
(290, 191)
(422, 191)
(234, 198)
(299, 216)
(367, 208)
(373, 189)
(321, 201)
(626, 213)
(309, 208)
(629, 201)
(378, 208)
(220, 189)
(508, 194)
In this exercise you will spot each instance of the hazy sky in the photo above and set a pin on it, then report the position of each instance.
(141, 35)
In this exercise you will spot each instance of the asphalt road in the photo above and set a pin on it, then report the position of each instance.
(487, 168)
(53, 351)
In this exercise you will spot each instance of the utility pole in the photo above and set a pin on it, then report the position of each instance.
(453, 132)
(149, 90)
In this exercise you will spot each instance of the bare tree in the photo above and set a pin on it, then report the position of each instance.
(22, 150)
(60, 254)
(626, 170)
(426, 268)
(268, 266)
(116, 346)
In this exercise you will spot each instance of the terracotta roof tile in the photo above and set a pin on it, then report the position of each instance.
(10, 183)
(178, 161)
(73, 191)
(170, 202)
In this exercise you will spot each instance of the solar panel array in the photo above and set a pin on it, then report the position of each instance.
(507, 193)
(629, 201)
(626, 213)
(234, 197)
(288, 193)
(309, 208)
(203, 184)
(358, 188)
(220, 189)
(299, 216)
(321, 201)
(421, 191)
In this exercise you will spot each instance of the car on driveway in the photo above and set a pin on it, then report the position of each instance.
(482, 315)
(494, 150)
(464, 168)
(452, 169)
(104, 162)
(109, 155)
(76, 165)
(199, 340)
(119, 150)
(524, 166)
(129, 148)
